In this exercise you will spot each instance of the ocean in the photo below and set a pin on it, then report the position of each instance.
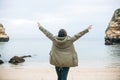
(91, 52)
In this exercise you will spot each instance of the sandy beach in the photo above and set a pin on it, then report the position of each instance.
(48, 73)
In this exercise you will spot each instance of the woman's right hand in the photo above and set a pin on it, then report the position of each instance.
(39, 25)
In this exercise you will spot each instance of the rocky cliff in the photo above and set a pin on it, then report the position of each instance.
(113, 30)
(3, 36)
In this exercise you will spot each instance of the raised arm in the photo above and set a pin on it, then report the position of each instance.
(80, 34)
(46, 32)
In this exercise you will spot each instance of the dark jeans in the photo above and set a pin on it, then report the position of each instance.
(62, 72)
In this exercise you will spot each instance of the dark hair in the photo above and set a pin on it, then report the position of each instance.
(62, 33)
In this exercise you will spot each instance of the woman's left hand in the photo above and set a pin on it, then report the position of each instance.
(89, 27)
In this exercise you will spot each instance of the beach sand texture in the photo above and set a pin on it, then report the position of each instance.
(50, 74)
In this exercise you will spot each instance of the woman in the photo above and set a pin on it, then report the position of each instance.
(63, 54)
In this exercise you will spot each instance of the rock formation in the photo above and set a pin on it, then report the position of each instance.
(3, 36)
(15, 60)
(1, 62)
(113, 30)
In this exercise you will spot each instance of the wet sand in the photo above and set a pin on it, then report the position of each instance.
(48, 73)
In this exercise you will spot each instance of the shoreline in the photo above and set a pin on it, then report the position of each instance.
(48, 73)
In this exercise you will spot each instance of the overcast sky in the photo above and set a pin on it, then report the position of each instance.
(19, 17)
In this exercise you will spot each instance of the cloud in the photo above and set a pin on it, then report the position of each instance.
(21, 21)
(52, 19)
(69, 14)
(17, 22)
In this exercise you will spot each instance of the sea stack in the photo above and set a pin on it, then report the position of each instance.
(113, 30)
(3, 36)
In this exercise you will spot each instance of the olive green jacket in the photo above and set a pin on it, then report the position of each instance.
(63, 53)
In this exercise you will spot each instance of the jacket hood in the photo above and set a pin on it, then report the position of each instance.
(61, 39)
(62, 42)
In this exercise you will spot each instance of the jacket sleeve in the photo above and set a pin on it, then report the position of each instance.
(47, 33)
(80, 34)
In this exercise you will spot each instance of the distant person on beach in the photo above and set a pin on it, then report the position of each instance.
(63, 54)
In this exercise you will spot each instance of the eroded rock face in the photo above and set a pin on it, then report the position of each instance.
(16, 59)
(113, 30)
(3, 36)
